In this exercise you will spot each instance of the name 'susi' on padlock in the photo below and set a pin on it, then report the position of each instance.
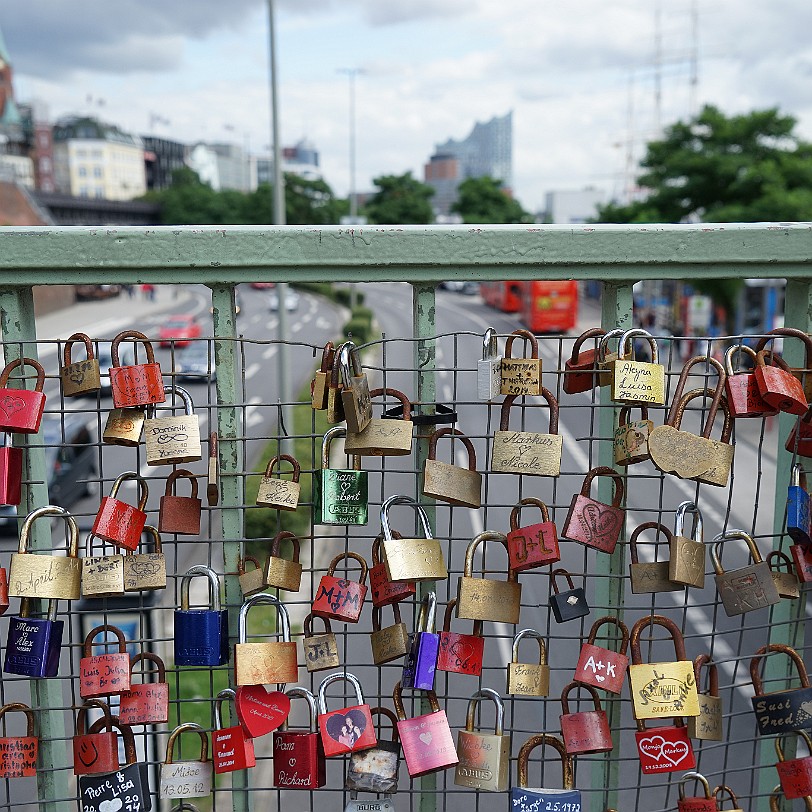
(528, 679)
(784, 710)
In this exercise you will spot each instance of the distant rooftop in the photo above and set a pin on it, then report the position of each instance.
(84, 127)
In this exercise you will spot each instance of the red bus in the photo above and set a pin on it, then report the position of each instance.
(549, 307)
(504, 296)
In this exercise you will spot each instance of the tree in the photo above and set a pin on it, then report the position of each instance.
(400, 199)
(483, 200)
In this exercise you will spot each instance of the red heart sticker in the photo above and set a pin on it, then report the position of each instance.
(261, 711)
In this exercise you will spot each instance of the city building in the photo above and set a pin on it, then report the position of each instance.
(572, 206)
(221, 165)
(161, 158)
(302, 159)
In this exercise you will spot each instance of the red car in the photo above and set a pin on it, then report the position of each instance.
(179, 330)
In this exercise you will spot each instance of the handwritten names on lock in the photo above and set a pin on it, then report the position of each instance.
(339, 598)
(119, 790)
(528, 679)
(104, 674)
(709, 721)
(527, 452)
(102, 574)
(273, 491)
(40, 576)
(18, 756)
(137, 385)
(669, 691)
(144, 704)
(345, 497)
(560, 800)
(521, 376)
(637, 382)
(186, 779)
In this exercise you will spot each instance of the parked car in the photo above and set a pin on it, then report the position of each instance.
(196, 362)
(263, 285)
(178, 330)
(291, 301)
(89, 292)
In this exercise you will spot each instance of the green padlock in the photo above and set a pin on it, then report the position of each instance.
(339, 494)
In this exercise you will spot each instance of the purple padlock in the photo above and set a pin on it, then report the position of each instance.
(421, 660)
(34, 644)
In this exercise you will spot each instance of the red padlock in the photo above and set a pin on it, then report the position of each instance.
(803, 374)
(800, 438)
(802, 556)
(94, 752)
(18, 754)
(3, 591)
(104, 674)
(778, 386)
(21, 409)
(741, 388)
(349, 729)
(665, 749)
(146, 703)
(534, 545)
(581, 370)
(696, 803)
(338, 598)
(795, 774)
(231, 749)
(384, 591)
(601, 667)
(137, 384)
(594, 523)
(460, 653)
(119, 522)
(11, 472)
(298, 755)
(180, 514)
(584, 731)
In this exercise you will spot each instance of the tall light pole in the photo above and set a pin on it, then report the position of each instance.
(351, 73)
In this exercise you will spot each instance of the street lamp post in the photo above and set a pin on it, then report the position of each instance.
(351, 74)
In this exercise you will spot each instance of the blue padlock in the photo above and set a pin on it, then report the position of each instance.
(34, 643)
(421, 660)
(798, 504)
(201, 635)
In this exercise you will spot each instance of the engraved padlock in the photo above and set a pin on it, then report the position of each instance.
(534, 545)
(523, 797)
(20, 408)
(521, 376)
(104, 674)
(280, 572)
(741, 387)
(119, 522)
(231, 748)
(696, 803)
(102, 575)
(355, 396)
(686, 564)
(278, 493)
(581, 369)
(650, 576)
(484, 758)
(18, 754)
(384, 437)
(636, 381)
(34, 644)
(411, 559)
(79, 377)
(180, 514)
(146, 571)
(528, 679)
(298, 754)
(724, 793)
(320, 650)
(786, 582)
(339, 494)
(593, 523)
(321, 378)
(251, 580)
(173, 440)
(783, 710)
(745, 589)
(600, 666)
(201, 635)
(190, 778)
(340, 598)
(795, 774)
(486, 598)
(124, 427)
(489, 368)
(267, 662)
(388, 642)
(584, 731)
(460, 653)
(630, 444)
(804, 375)
(664, 749)
(383, 590)
(136, 384)
(146, 703)
(421, 659)
(450, 483)
(708, 725)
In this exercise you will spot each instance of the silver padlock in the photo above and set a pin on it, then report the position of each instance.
(384, 804)
(489, 369)
(173, 440)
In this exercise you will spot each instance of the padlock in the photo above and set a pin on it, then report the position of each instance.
(799, 526)
(268, 662)
(528, 679)
(777, 385)
(339, 494)
(786, 583)
(794, 774)
(186, 779)
(686, 563)
(460, 653)
(102, 575)
(746, 589)
(650, 576)
(630, 442)
(94, 752)
(376, 769)
(786, 710)
(180, 514)
(298, 755)
(384, 437)
(527, 452)
(18, 754)
(489, 369)
(213, 474)
(802, 374)
(173, 440)
(484, 758)
(411, 559)
(119, 522)
(485, 598)
(104, 674)
(321, 378)
(776, 797)
(569, 604)
(524, 798)
(146, 703)
(384, 591)
(593, 523)
(348, 729)
(201, 635)
(136, 384)
(355, 396)
(600, 666)
(21, 409)
(696, 803)
(280, 572)
(124, 427)
(46, 576)
(799, 440)
(4, 603)
(723, 790)
(581, 369)
(79, 377)
(339, 598)
(708, 725)
(428, 745)
(637, 381)
(390, 642)
(251, 580)
(231, 749)
(802, 556)
(335, 406)
(664, 749)
(320, 650)
(606, 358)
(741, 387)
(145, 572)
(34, 644)
(384, 804)
(535, 545)
(11, 472)
(450, 483)
(421, 659)
(584, 731)
(663, 688)
(521, 376)
(278, 493)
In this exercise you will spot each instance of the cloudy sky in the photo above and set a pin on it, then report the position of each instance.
(579, 76)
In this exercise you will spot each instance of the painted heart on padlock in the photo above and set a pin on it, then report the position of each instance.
(346, 727)
(10, 405)
(463, 652)
(426, 738)
(658, 749)
(261, 711)
(599, 523)
(680, 453)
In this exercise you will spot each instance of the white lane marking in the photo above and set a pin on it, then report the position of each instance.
(296, 327)
(252, 416)
(255, 319)
(323, 324)
(448, 395)
(252, 370)
(443, 373)
(270, 352)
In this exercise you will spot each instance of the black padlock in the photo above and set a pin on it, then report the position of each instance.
(570, 604)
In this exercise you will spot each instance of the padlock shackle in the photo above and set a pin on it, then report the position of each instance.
(776, 648)
(488, 535)
(307, 624)
(327, 356)
(282, 617)
(276, 544)
(732, 351)
(656, 620)
(779, 750)
(185, 806)
(565, 696)
(130, 754)
(789, 332)
(143, 488)
(81, 715)
(486, 693)
(641, 528)
(719, 399)
(449, 611)
(25, 607)
(156, 538)
(528, 501)
(490, 346)
(87, 647)
(775, 360)
(395, 393)
(149, 657)
(611, 620)
(527, 336)
(131, 334)
(593, 332)
(798, 476)
(452, 432)
(355, 557)
(731, 796)
(214, 586)
(397, 698)
(718, 544)
(377, 616)
(176, 391)
(694, 776)
(187, 727)
(623, 416)
(626, 341)
(329, 436)
(504, 414)
(565, 573)
(713, 673)
(23, 708)
(426, 616)
(85, 339)
(339, 676)
(89, 544)
(227, 694)
(688, 506)
(674, 414)
(677, 720)
(349, 362)
(23, 362)
(181, 473)
(603, 344)
(51, 510)
(783, 560)
(400, 499)
(542, 740)
(619, 490)
(243, 560)
(379, 710)
(302, 693)
(376, 547)
(530, 634)
(277, 460)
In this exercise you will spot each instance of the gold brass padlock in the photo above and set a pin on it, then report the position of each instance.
(144, 572)
(631, 437)
(528, 679)
(746, 589)
(521, 376)
(785, 582)
(335, 405)
(251, 580)
(408, 560)
(321, 379)
(269, 662)
(173, 440)
(102, 575)
(384, 437)
(724, 793)
(650, 576)
(355, 395)
(79, 377)
(637, 381)
(686, 563)
(124, 427)
(390, 642)
(275, 492)
(485, 598)
(450, 483)
(708, 725)
(484, 757)
(320, 650)
(283, 573)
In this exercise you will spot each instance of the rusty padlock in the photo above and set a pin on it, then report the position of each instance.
(581, 369)
(777, 385)
(278, 493)
(320, 650)
(594, 523)
(741, 387)
(527, 798)
(104, 674)
(231, 748)
(376, 769)
(450, 483)
(21, 409)
(18, 754)
(696, 803)
(119, 522)
(281, 572)
(745, 589)
(784, 710)
(686, 564)
(94, 752)
(795, 774)
(599, 666)
(534, 545)
(584, 731)
(102, 575)
(79, 377)
(786, 582)
(136, 384)
(630, 444)
(650, 576)
(708, 725)
(803, 374)
(724, 793)
(521, 376)
(340, 598)
(180, 514)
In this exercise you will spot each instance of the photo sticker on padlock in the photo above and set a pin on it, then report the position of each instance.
(376, 769)
(348, 729)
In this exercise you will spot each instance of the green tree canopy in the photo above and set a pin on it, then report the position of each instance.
(482, 200)
(400, 199)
